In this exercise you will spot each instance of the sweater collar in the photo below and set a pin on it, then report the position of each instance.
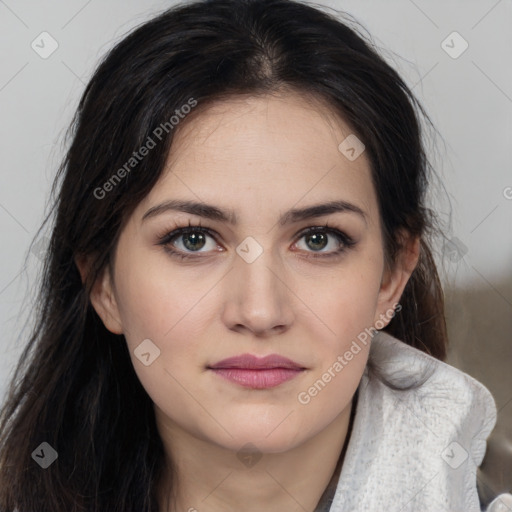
(418, 448)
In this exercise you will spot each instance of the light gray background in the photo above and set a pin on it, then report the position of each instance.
(469, 99)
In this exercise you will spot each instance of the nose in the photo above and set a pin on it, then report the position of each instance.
(258, 298)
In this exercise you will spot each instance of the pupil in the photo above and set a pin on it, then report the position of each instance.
(197, 239)
(316, 236)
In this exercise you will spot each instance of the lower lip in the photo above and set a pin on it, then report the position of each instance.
(257, 379)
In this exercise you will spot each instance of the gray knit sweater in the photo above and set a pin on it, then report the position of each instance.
(415, 450)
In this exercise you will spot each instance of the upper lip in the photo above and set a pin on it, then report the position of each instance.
(250, 362)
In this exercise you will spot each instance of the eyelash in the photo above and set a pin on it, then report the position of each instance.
(166, 239)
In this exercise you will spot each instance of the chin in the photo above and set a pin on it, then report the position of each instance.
(260, 439)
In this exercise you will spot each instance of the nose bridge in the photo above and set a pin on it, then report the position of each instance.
(256, 270)
(259, 296)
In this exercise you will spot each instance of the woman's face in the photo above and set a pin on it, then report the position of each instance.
(255, 282)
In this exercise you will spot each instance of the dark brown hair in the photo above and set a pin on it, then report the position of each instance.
(75, 387)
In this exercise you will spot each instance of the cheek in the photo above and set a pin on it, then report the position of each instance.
(341, 350)
(347, 303)
(346, 310)
(329, 390)
(156, 301)
(169, 306)
(163, 305)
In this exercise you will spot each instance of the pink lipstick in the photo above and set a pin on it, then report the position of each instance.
(257, 372)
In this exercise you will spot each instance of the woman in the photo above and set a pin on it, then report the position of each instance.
(240, 309)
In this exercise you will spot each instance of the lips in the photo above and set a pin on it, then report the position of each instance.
(257, 372)
(250, 362)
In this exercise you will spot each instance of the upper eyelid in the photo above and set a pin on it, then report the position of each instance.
(179, 231)
(212, 231)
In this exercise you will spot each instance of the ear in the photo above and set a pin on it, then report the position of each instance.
(394, 279)
(102, 296)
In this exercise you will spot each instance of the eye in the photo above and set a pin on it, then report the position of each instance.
(183, 242)
(317, 238)
(191, 238)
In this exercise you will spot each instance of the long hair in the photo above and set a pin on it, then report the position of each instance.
(75, 387)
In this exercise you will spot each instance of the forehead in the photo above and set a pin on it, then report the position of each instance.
(260, 152)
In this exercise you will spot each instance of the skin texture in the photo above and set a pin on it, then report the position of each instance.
(259, 156)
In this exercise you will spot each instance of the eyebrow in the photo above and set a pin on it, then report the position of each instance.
(215, 213)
